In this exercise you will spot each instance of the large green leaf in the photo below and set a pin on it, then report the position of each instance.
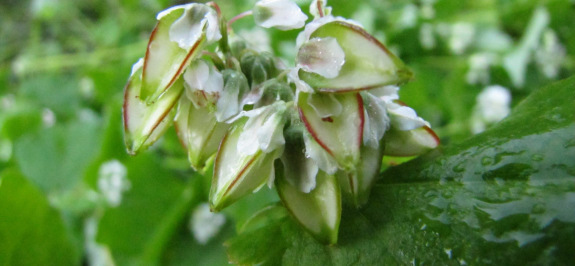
(54, 159)
(31, 232)
(506, 196)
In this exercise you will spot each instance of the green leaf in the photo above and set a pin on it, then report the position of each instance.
(137, 231)
(54, 159)
(502, 197)
(31, 232)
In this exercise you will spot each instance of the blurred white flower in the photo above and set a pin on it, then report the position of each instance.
(492, 106)
(479, 65)
(48, 117)
(516, 61)
(461, 36)
(205, 224)
(280, 14)
(408, 18)
(550, 55)
(426, 36)
(96, 254)
(112, 181)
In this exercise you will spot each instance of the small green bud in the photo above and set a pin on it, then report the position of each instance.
(258, 67)
(318, 211)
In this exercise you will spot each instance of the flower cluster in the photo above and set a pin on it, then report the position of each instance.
(316, 131)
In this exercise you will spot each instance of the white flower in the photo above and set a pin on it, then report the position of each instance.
(318, 154)
(205, 224)
(188, 28)
(550, 55)
(492, 106)
(401, 117)
(263, 130)
(376, 122)
(404, 118)
(408, 17)
(281, 14)
(426, 36)
(112, 181)
(461, 37)
(479, 65)
(322, 56)
(203, 83)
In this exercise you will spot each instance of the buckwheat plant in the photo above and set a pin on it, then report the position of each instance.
(316, 131)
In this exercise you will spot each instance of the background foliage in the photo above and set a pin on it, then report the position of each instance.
(63, 65)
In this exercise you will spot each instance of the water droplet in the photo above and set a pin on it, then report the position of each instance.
(569, 143)
(486, 160)
(537, 157)
(448, 252)
(459, 167)
(538, 208)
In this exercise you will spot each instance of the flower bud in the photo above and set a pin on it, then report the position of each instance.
(146, 123)
(274, 90)
(368, 64)
(339, 133)
(409, 134)
(245, 159)
(281, 14)
(199, 132)
(356, 184)
(258, 67)
(180, 35)
(319, 211)
(411, 142)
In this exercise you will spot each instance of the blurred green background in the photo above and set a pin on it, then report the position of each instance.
(69, 193)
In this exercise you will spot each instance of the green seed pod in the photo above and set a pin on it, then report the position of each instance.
(258, 67)
(274, 90)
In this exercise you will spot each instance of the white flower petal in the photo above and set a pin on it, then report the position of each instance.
(205, 224)
(300, 85)
(203, 83)
(197, 75)
(310, 28)
(323, 56)
(377, 121)
(263, 130)
(188, 29)
(386, 93)
(404, 118)
(314, 151)
(493, 103)
(281, 14)
(227, 105)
